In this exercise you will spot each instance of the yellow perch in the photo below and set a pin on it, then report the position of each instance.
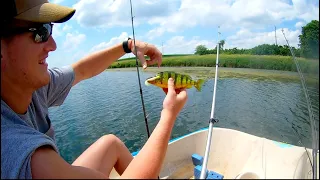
(181, 81)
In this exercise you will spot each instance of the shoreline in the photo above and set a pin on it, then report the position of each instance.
(225, 72)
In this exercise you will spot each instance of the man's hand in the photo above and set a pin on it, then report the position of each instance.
(174, 102)
(150, 50)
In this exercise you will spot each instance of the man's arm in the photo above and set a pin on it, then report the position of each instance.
(148, 162)
(97, 62)
(47, 164)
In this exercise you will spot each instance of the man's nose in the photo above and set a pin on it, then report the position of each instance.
(51, 44)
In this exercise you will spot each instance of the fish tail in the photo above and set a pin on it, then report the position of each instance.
(199, 84)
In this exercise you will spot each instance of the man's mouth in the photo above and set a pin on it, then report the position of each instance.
(42, 62)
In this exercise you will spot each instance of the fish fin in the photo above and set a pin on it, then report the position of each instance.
(146, 83)
(165, 90)
(199, 84)
(178, 90)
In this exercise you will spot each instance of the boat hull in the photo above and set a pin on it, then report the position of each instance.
(235, 154)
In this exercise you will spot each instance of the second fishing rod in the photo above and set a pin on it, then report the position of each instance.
(212, 119)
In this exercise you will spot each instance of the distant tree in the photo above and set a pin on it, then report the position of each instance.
(309, 40)
(263, 49)
(201, 50)
(212, 51)
(222, 43)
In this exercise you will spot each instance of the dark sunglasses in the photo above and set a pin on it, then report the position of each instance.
(40, 34)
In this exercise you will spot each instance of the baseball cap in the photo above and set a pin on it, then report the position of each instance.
(39, 11)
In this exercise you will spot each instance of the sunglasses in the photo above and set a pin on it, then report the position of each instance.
(40, 34)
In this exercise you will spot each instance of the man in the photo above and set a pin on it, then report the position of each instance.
(29, 88)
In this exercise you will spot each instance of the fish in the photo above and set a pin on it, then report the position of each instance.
(181, 81)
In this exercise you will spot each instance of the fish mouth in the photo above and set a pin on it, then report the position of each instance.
(151, 80)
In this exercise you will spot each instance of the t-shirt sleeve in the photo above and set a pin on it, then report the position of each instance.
(18, 143)
(60, 85)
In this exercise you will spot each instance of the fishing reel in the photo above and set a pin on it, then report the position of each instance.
(212, 120)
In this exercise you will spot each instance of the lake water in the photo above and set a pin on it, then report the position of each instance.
(110, 104)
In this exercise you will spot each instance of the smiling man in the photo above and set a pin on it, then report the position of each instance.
(29, 88)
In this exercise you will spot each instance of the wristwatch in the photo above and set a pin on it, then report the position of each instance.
(125, 46)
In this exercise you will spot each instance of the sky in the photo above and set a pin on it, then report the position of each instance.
(178, 26)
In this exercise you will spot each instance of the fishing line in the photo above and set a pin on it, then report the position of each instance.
(300, 141)
(311, 117)
(137, 66)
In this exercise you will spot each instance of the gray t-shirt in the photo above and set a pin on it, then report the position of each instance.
(21, 134)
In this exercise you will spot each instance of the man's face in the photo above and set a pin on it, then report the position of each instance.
(23, 61)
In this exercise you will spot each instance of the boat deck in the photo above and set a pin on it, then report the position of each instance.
(236, 155)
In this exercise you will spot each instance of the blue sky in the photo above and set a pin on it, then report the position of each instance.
(178, 26)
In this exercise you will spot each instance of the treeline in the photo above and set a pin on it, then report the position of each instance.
(264, 49)
(308, 46)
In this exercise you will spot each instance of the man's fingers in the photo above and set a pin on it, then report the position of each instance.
(154, 61)
(142, 59)
(182, 95)
(151, 62)
(159, 61)
(158, 56)
(155, 57)
(171, 86)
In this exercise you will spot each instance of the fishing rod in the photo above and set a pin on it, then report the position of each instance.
(311, 116)
(212, 120)
(137, 66)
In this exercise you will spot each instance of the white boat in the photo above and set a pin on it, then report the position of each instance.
(236, 155)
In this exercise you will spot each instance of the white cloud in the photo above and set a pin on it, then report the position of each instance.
(306, 10)
(123, 36)
(73, 40)
(77, 56)
(180, 45)
(244, 38)
(233, 14)
(155, 33)
(299, 24)
(109, 13)
(56, 31)
(66, 27)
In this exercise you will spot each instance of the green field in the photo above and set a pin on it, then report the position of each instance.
(163, 56)
(271, 62)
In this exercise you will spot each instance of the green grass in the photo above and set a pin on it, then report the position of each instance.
(284, 63)
(163, 56)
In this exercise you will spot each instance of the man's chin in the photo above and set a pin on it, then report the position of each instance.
(44, 81)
